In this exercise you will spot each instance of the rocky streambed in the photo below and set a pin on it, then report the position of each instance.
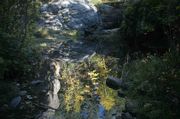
(76, 78)
(78, 68)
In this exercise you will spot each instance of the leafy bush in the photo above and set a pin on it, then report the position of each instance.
(83, 82)
(16, 35)
(154, 83)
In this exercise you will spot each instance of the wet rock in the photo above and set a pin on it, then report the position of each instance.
(53, 100)
(15, 102)
(114, 83)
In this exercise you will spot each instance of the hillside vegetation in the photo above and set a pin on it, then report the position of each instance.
(143, 53)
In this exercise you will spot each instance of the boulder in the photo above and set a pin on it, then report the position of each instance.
(69, 14)
(52, 101)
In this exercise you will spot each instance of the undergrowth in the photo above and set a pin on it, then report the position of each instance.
(153, 82)
(82, 82)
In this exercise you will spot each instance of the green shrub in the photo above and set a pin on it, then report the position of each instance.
(16, 36)
(155, 83)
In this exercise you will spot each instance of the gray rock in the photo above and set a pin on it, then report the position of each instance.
(56, 86)
(44, 8)
(29, 97)
(15, 102)
(49, 114)
(69, 14)
(75, 23)
(22, 93)
(114, 83)
(53, 101)
(66, 4)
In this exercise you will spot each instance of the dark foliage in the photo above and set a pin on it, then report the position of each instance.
(16, 28)
(151, 28)
(151, 25)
